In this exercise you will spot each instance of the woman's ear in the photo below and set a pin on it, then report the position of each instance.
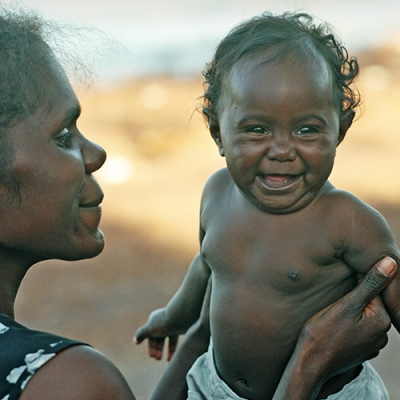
(215, 132)
(345, 122)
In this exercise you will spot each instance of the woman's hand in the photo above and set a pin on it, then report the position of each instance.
(344, 334)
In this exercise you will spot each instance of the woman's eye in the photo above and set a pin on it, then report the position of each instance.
(64, 138)
(307, 130)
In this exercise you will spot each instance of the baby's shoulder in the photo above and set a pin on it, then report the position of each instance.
(342, 205)
(216, 190)
(220, 177)
(218, 183)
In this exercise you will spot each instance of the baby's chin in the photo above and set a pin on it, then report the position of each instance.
(281, 204)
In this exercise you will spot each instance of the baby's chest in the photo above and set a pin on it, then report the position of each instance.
(287, 256)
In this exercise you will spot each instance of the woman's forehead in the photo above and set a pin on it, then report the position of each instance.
(55, 86)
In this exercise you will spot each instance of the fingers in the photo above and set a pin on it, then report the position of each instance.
(156, 346)
(377, 315)
(378, 277)
(173, 343)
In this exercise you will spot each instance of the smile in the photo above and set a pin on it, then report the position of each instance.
(91, 204)
(278, 182)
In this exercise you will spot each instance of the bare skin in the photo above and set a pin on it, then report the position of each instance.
(273, 299)
(81, 372)
(280, 242)
(356, 322)
(56, 214)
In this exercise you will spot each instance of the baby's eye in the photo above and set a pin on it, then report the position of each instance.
(256, 129)
(64, 138)
(307, 130)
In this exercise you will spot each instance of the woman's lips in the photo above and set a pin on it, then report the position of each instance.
(90, 214)
(92, 203)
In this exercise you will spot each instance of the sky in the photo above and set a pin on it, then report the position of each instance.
(179, 36)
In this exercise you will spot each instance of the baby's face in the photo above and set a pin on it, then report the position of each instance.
(278, 128)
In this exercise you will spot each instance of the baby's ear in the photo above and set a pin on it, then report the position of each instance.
(213, 126)
(346, 119)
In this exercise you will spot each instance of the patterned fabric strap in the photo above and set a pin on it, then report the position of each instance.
(22, 352)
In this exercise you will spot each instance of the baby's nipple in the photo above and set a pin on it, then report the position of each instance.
(294, 275)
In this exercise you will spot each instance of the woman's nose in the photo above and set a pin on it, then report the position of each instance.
(94, 156)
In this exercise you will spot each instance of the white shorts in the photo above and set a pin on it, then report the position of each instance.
(205, 384)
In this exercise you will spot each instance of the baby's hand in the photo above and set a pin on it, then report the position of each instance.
(156, 330)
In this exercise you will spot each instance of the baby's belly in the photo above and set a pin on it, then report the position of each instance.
(255, 331)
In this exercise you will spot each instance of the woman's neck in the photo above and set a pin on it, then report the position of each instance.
(13, 267)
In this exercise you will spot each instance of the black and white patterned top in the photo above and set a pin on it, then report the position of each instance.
(22, 352)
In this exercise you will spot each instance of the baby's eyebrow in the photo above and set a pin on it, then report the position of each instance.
(306, 118)
(254, 117)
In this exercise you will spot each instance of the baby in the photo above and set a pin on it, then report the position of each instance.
(279, 241)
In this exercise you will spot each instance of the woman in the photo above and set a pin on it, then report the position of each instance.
(50, 208)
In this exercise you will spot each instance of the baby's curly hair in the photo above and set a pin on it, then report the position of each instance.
(288, 33)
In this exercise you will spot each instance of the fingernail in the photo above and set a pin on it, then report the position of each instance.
(386, 266)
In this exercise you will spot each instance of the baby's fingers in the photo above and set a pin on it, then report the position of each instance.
(156, 346)
(173, 343)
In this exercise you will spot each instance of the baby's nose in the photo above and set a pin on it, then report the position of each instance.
(281, 149)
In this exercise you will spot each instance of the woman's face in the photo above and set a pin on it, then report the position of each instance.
(56, 211)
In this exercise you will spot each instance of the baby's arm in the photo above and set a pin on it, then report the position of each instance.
(184, 308)
(370, 239)
(181, 312)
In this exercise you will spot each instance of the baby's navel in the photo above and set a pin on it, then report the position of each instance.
(293, 275)
(243, 382)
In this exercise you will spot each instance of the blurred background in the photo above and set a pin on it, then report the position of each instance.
(143, 109)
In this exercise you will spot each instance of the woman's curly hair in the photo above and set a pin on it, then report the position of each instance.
(288, 32)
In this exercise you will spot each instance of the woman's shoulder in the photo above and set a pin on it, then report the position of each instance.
(79, 372)
(41, 365)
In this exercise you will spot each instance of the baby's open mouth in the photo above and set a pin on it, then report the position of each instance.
(278, 181)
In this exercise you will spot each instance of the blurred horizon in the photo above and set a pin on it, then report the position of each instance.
(178, 37)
